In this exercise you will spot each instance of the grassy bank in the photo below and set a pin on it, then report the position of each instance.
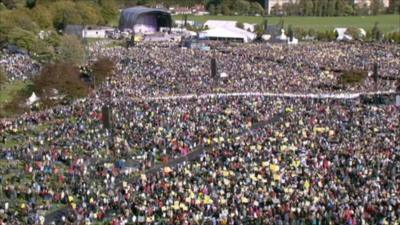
(12, 92)
(387, 23)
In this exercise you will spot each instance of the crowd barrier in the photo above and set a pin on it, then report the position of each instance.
(270, 94)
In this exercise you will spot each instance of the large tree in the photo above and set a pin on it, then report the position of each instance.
(63, 77)
(109, 10)
(22, 38)
(377, 6)
(394, 6)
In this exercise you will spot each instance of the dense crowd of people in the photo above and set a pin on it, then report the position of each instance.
(212, 160)
(165, 70)
(18, 66)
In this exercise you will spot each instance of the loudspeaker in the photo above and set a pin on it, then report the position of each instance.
(376, 74)
(106, 112)
(214, 67)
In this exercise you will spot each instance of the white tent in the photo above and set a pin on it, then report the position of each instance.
(283, 36)
(229, 33)
(294, 41)
(342, 36)
(32, 99)
(228, 24)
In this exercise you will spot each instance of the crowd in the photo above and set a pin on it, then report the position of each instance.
(18, 66)
(165, 70)
(258, 160)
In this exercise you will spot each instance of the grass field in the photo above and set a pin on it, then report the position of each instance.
(8, 91)
(387, 23)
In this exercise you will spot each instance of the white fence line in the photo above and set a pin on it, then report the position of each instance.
(270, 94)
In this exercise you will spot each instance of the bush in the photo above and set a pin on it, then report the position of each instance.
(352, 77)
(392, 37)
(326, 35)
(299, 32)
(355, 33)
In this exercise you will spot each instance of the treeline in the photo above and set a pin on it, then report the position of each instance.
(302, 7)
(36, 25)
(234, 7)
(334, 8)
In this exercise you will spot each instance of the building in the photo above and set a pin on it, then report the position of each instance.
(96, 32)
(144, 20)
(87, 31)
(269, 4)
(368, 3)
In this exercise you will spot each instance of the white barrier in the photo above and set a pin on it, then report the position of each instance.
(269, 94)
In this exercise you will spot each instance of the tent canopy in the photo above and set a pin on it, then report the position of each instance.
(229, 33)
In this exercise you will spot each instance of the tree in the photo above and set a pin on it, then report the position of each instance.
(44, 52)
(340, 6)
(30, 3)
(308, 10)
(102, 68)
(64, 13)
(17, 18)
(42, 17)
(256, 8)
(218, 9)
(348, 10)
(376, 32)
(71, 50)
(63, 77)
(259, 30)
(290, 33)
(109, 11)
(376, 7)
(211, 9)
(331, 8)
(241, 7)
(22, 38)
(225, 9)
(89, 13)
(394, 6)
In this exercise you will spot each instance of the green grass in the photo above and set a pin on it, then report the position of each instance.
(8, 91)
(13, 92)
(387, 23)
